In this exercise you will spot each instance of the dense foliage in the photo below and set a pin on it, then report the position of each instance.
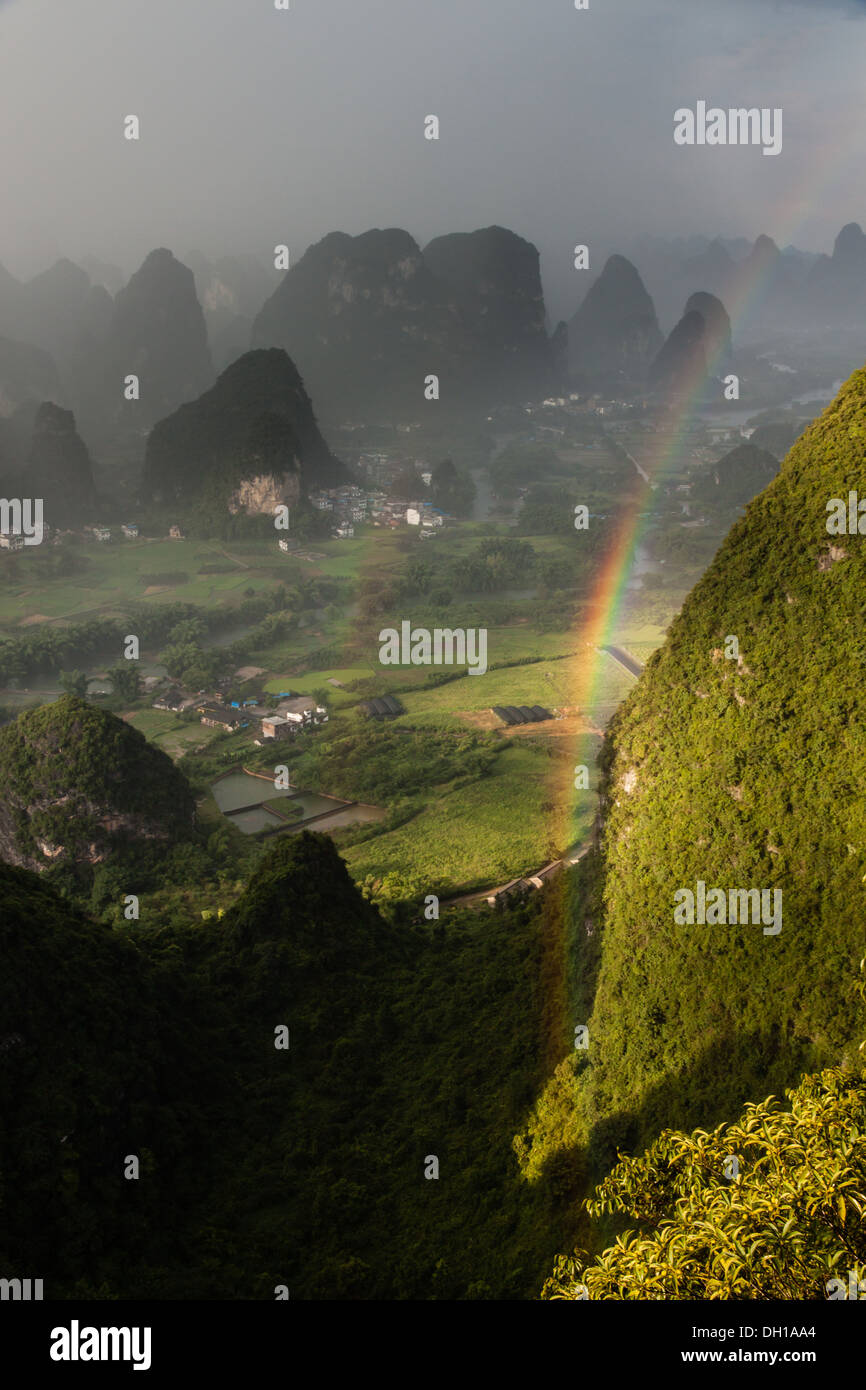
(740, 768)
(262, 1166)
(770, 1207)
(380, 763)
(80, 784)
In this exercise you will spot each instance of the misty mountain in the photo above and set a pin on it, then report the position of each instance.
(496, 280)
(158, 334)
(231, 291)
(103, 273)
(699, 344)
(12, 304)
(674, 268)
(369, 318)
(767, 286)
(713, 269)
(27, 374)
(55, 308)
(59, 468)
(63, 315)
(837, 283)
(614, 335)
(248, 443)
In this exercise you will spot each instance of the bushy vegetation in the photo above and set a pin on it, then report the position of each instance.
(380, 763)
(50, 649)
(78, 783)
(770, 1207)
(741, 771)
(262, 1166)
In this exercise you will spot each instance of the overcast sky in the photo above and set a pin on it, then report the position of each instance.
(260, 126)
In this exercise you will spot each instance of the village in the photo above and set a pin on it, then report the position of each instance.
(352, 504)
(273, 718)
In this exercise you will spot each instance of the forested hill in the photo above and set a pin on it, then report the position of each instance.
(741, 766)
(80, 785)
(262, 1165)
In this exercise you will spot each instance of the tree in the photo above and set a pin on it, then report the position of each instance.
(450, 490)
(126, 680)
(74, 682)
(188, 630)
(407, 485)
(770, 1207)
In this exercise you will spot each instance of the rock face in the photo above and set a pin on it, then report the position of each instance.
(157, 333)
(251, 437)
(615, 334)
(261, 494)
(369, 318)
(748, 774)
(698, 346)
(81, 785)
(736, 478)
(59, 469)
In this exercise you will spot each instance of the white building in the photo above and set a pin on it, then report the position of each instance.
(413, 516)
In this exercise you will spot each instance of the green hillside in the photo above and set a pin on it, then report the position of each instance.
(80, 785)
(740, 772)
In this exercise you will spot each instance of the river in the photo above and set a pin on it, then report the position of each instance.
(736, 418)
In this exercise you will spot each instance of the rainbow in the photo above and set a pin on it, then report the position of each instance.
(603, 610)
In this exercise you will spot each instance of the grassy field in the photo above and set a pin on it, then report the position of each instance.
(174, 736)
(107, 578)
(543, 683)
(484, 834)
(315, 680)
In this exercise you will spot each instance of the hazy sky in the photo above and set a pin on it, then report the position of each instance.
(260, 126)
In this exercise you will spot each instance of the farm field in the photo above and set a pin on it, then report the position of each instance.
(545, 683)
(502, 826)
(105, 579)
(314, 680)
(174, 736)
